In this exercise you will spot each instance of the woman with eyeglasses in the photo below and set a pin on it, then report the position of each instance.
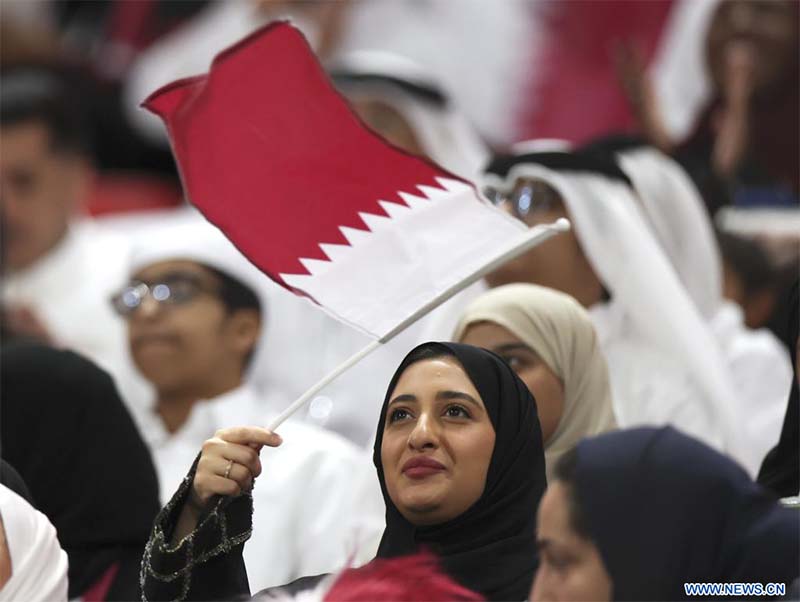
(194, 314)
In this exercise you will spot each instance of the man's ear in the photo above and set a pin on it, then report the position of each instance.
(244, 328)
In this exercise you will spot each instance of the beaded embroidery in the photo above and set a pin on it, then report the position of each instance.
(214, 527)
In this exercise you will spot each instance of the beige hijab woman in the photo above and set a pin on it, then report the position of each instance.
(559, 330)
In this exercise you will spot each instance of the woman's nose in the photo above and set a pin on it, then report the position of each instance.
(540, 591)
(425, 433)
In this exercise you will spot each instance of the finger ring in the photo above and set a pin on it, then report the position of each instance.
(228, 469)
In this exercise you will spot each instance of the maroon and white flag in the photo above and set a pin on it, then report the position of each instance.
(274, 156)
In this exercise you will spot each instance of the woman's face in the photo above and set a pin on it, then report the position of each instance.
(766, 30)
(544, 385)
(557, 263)
(570, 566)
(437, 442)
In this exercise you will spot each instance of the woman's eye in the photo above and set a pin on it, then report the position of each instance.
(398, 414)
(456, 412)
(513, 361)
(559, 563)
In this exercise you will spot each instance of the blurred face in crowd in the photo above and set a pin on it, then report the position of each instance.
(766, 32)
(570, 565)
(544, 385)
(189, 343)
(437, 442)
(388, 122)
(40, 188)
(557, 263)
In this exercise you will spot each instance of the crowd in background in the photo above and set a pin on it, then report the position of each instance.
(138, 343)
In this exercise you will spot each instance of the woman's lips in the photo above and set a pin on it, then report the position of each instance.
(421, 467)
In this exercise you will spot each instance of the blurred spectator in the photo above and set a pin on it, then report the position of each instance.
(194, 319)
(665, 363)
(484, 78)
(31, 38)
(749, 278)
(405, 104)
(58, 271)
(27, 37)
(759, 284)
(743, 145)
(572, 91)
(110, 34)
(674, 212)
(65, 429)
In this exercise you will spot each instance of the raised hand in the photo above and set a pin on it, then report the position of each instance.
(229, 463)
(631, 68)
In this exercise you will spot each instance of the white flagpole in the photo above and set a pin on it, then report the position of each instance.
(528, 240)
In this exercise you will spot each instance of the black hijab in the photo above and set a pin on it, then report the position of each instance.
(780, 471)
(490, 548)
(664, 509)
(68, 434)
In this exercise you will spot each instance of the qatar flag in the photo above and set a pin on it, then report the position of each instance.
(273, 155)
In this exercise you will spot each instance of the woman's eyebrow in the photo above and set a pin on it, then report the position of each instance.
(405, 397)
(506, 347)
(450, 395)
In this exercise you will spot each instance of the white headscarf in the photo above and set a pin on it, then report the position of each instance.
(648, 298)
(678, 218)
(186, 235)
(38, 564)
(444, 134)
(560, 331)
(758, 365)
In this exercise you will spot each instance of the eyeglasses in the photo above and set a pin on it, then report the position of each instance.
(527, 199)
(177, 290)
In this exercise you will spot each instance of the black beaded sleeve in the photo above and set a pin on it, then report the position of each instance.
(207, 564)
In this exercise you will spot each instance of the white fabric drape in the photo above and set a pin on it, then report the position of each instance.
(759, 366)
(38, 564)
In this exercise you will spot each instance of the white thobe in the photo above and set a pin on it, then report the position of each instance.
(652, 388)
(649, 387)
(305, 518)
(762, 375)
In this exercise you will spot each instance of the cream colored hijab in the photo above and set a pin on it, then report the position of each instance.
(560, 331)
